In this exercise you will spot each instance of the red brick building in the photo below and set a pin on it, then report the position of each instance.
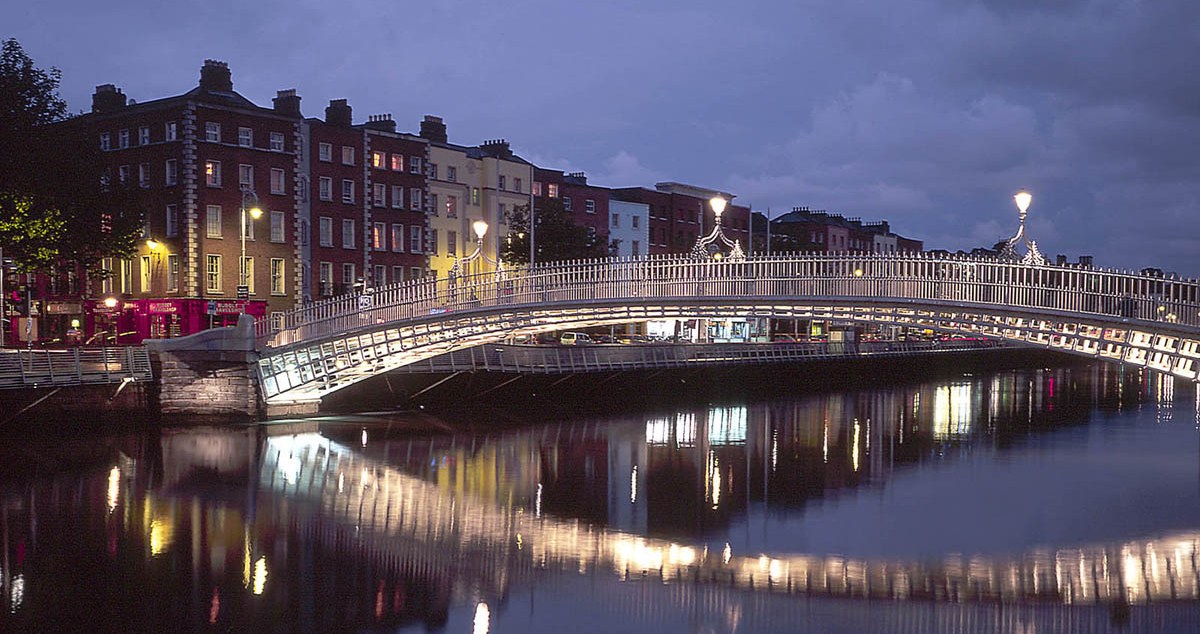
(586, 204)
(680, 214)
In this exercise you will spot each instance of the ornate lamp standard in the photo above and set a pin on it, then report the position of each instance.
(249, 205)
(700, 249)
(1009, 250)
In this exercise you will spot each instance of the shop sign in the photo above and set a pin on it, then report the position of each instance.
(63, 308)
(163, 307)
(229, 308)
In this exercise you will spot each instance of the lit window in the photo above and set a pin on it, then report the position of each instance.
(552, 190)
(212, 173)
(379, 236)
(475, 196)
(213, 272)
(537, 188)
(378, 160)
(397, 162)
(398, 238)
(451, 206)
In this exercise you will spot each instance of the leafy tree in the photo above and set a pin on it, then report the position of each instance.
(56, 205)
(556, 235)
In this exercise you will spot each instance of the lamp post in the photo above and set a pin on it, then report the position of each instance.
(700, 249)
(249, 205)
(1009, 251)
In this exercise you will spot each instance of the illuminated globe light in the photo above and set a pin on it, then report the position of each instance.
(1023, 198)
(480, 227)
(153, 244)
(718, 205)
(110, 302)
(255, 212)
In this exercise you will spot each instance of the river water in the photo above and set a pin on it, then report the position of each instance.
(1032, 500)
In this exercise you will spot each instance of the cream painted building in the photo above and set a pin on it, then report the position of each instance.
(466, 184)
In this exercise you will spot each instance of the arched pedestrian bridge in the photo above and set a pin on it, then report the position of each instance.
(1140, 319)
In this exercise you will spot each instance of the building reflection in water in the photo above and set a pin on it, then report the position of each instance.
(325, 531)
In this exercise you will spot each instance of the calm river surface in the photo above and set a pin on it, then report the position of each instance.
(1043, 500)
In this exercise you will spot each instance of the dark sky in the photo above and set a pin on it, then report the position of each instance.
(927, 113)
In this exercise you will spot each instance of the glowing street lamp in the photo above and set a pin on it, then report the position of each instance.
(249, 205)
(700, 249)
(1009, 251)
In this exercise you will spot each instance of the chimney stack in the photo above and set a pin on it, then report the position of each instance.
(215, 76)
(433, 129)
(382, 122)
(287, 102)
(107, 98)
(338, 113)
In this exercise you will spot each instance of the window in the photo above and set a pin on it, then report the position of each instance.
(379, 236)
(552, 190)
(380, 277)
(173, 273)
(144, 135)
(172, 172)
(566, 202)
(106, 141)
(212, 173)
(212, 132)
(126, 276)
(397, 162)
(635, 247)
(380, 195)
(277, 276)
(414, 199)
(276, 141)
(172, 131)
(537, 188)
(123, 139)
(451, 173)
(145, 271)
(502, 214)
(347, 155)
(212, 270)
(398, 238)
(616, 220)
(379, 160)
(246, 176)
(414, 239)
(414, 273)
(347, 233)
(325, 185)
(348, 275)
(500, 186)
(144, 175)
(123, 174)
(414, 165)
(245, 137)
(325, 229)
(517, 185)
(277, 219)
(277, 181)
(431, 171)
(634, 220)
(451, 206)
(451, 243)
(397, 274)
(348, 191)
(475, 196)
(397, 196)
(434, 209)
(106, 284)
(589, 206)
(325, 152)
(172, 221)
(326, 278)
(247, 272)
(212, 219)
(247, 226)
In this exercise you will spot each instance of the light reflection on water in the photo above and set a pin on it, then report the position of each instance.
(953, 495)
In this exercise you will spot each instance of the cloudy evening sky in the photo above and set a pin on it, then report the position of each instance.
(927, 113)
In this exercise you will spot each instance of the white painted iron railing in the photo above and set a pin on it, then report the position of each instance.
(73, 366)
(900, 277)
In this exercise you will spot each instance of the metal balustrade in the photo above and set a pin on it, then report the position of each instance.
(73, 366)
(1144, 320)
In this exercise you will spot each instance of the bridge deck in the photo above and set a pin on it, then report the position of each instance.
(73, 366)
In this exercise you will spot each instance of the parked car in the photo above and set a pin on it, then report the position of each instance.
(633, 339)
(603, 338)
(575, 339)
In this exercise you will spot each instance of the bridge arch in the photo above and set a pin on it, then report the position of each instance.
(1141, 320)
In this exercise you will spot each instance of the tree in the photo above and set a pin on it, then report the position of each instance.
(57, 207)
(556, 236)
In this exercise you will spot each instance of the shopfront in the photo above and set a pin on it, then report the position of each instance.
(133, 321)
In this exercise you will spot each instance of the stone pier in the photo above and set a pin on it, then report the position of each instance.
(213, 373)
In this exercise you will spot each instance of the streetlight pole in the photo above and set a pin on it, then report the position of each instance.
(249, 204)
